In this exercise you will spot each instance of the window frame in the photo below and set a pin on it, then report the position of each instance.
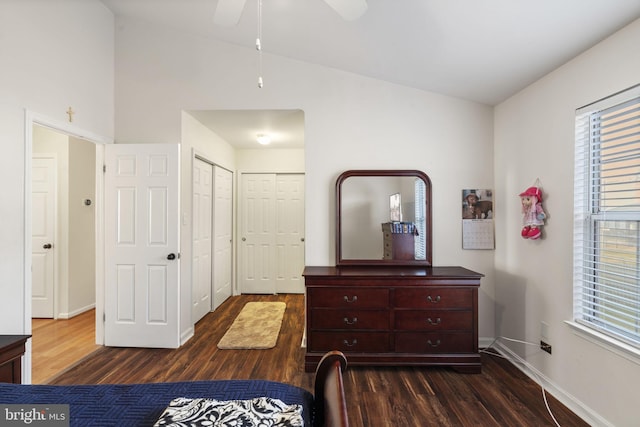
(588, 255)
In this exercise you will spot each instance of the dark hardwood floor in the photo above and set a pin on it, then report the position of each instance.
(391, 396)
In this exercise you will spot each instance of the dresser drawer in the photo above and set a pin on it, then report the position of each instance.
(434, 342)
(349, 319)
(433, 298)
(362, 342)
(354, 297)
(433, 320)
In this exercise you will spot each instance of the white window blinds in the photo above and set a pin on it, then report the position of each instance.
(607, 216)
(420, 220)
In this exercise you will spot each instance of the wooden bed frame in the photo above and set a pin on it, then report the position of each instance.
(330, 402)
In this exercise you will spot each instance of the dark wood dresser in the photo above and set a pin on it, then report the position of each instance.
(398, 244)
(12, 348)
(393, 316)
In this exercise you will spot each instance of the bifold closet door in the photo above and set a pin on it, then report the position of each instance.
(272, 233)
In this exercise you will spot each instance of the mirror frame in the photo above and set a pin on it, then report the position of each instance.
(383, 262)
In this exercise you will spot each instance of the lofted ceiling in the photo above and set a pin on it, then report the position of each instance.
(479, 50)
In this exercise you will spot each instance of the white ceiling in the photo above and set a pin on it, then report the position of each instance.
(479, 50)
(240, 128)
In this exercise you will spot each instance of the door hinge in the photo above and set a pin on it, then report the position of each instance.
(104, 168)
(104, 317)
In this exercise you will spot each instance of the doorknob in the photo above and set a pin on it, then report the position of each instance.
(47, 246)
(171, 256)
(302, 239)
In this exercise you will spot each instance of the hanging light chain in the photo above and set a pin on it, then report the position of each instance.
(259, 44)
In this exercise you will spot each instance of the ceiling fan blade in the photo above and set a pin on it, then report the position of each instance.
(228, 12)
(348, 9)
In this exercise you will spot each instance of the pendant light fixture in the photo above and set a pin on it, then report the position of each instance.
(263, 139)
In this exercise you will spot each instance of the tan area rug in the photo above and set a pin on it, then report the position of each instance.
(256, 327)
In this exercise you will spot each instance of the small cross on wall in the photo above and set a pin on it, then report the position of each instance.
(70, 113)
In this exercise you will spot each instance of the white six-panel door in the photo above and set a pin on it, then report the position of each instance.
(43, 206)
(202, 239)
(257, 242)
(222, 243)
(142, 203)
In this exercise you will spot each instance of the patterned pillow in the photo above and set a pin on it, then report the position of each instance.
(258, 412)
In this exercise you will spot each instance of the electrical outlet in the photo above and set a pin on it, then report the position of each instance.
(546, 347)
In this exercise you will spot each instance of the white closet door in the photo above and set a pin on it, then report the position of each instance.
(272, 233)
(289, 233)
(223, 226)
(202, 241)
(257, 241)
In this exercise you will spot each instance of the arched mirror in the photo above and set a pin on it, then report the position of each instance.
(383, 217)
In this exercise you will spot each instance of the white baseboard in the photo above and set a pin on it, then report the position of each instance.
(187, 335)
(568, 400)
(484, 342)
(74, 313)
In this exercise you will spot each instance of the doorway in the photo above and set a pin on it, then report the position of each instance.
(63, 256)
(77, 270)
(63, 193)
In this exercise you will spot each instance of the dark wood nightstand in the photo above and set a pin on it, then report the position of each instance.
(11, 351)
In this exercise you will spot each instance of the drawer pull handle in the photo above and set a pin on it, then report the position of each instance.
(350, 344)
(434, 301)
(350, 300)
(432, 344)
(350, 322)
(431, 322)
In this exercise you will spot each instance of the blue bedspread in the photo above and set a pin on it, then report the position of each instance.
(139, 405)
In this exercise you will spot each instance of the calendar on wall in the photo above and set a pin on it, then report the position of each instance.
(477, 219)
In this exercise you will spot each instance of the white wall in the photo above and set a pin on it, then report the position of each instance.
(351, 122)
(534, 138)
(54, 55)
(271, 160)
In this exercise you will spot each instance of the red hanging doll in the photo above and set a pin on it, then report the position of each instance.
(533, 215)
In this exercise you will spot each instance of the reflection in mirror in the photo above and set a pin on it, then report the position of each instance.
(383, 218)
